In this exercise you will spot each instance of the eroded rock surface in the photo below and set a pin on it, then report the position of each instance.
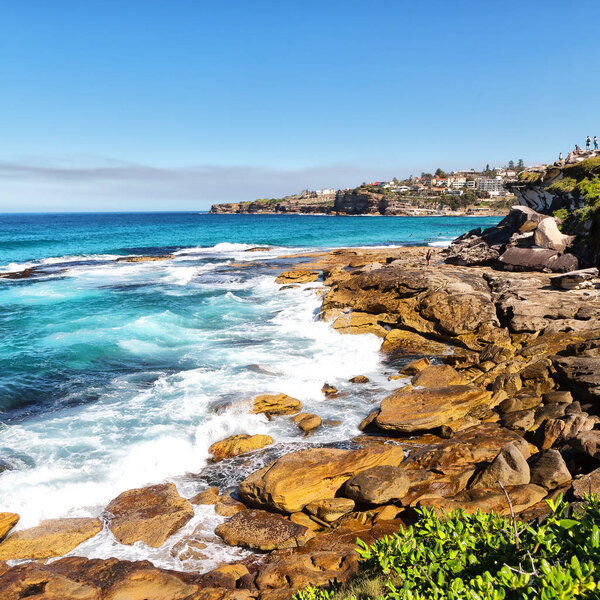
(149, 514)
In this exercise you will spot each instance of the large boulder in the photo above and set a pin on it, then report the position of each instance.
(377, 485)
(261, 530)
(51, 538)
(149, 514)
(276, 404)
(508, 468)
(127, 580)
(409, 410)
(548, 235)
(238, 444)
(549, 469)
(522, 218)
(528, 259)
(296, 479)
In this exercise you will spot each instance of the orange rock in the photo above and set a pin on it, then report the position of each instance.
(276, 404)
(238, 444)
(292, 481)
(297, 276)
(51, 538)
(7, 522)
(149, 514)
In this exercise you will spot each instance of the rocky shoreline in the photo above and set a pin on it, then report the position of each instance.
(498, 395)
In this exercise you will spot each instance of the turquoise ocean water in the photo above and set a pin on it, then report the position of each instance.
(115, 375)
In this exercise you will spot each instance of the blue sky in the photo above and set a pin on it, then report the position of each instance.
(148, 104)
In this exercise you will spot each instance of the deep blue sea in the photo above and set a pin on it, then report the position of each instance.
(115, 375)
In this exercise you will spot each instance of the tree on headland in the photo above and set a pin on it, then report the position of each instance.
(520, 165)
(511, 164)
(440, 173)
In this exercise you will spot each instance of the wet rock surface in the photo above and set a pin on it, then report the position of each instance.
(51, 538)
(514, 402)
(149, 515)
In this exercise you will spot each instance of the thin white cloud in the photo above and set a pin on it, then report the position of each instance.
(117, 185)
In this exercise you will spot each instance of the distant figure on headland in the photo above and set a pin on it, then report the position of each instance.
(560, 156)
(588, 141)
(428, 256)
(577, 149)
(595, 143)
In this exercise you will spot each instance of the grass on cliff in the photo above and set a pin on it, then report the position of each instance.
(480, 557)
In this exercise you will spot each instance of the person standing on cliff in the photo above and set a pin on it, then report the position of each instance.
(595, 143)
(588, 141)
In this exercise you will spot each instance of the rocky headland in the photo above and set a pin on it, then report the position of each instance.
(358, 201)
(497, 408)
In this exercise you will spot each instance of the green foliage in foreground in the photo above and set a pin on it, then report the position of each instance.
(478, 557)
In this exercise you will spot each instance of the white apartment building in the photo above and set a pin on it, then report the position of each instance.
(493, 185)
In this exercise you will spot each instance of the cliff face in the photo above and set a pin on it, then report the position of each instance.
(569, 190)
(300, 203)
(359, 202)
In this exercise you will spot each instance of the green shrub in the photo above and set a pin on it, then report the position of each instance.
(529, 176)
(564, 185)
(480, 557)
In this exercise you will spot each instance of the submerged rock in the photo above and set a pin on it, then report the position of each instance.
(307, 422)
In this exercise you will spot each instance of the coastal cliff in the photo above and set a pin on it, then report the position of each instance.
(570, 191)
(304, 203)
(504, 417)
(363, 200)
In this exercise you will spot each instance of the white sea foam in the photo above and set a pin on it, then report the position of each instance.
(248, 337)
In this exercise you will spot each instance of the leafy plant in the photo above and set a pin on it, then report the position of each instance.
(477, 557)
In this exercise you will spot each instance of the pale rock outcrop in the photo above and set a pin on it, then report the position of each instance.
(548, 235)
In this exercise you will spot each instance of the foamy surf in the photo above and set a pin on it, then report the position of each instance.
(239, 337)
